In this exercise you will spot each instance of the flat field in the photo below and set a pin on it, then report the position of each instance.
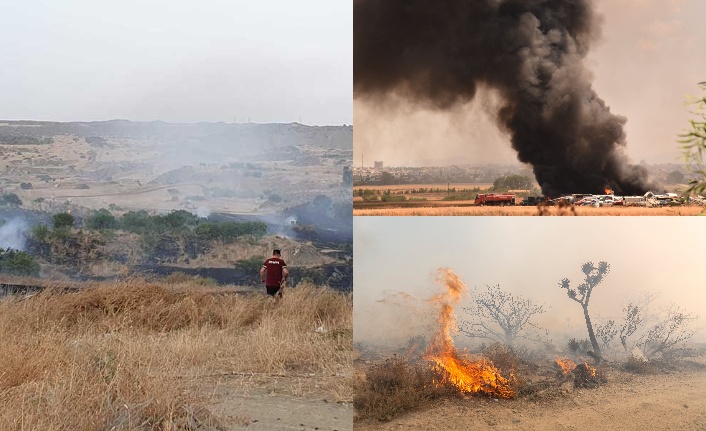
(443, 186)
(392, 209)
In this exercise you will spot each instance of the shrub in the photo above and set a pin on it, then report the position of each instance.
(176, 220)
(395, 386)
(40, 233)
(102, 219)
(10, 199)
(393, 198)
(63, 220)
(229, 231)
(250, 265)
(136, 221)
(17, 263)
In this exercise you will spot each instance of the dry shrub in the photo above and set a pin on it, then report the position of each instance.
(395, 386)
(586, 376)
(121, 356)
(184, 278)
(502, 357)
(640, 366)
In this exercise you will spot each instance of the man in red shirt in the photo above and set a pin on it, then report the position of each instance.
(274, 273)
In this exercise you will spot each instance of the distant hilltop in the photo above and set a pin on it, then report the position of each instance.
(270, 134)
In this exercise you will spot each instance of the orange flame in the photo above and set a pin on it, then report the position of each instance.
(608, 191)
(566, 364)
(466, 374)
(591, 370)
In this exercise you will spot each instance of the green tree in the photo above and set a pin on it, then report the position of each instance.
(10, 199)
(387, 179)
(63, 221)
(136, 221)
(512, 182)
(102, 220)
(582, 294)
(693, 142)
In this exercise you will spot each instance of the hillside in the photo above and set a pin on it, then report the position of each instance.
(251, 169)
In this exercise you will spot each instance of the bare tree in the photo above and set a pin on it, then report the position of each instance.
(607, 332)
(633, 320)
(502, 317)
(665, 338)
(582, 294)
(636, 316)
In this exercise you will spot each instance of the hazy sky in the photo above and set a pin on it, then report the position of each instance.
(396, 257)
(648, 60)
(269, 60)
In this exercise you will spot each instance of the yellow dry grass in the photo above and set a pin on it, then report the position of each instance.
(531, 211)
(126, 356)
(405, 187)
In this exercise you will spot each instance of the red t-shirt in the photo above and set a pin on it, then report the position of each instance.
(274, 267)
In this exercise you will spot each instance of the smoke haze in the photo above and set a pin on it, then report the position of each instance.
(13, 234)
(526, 257)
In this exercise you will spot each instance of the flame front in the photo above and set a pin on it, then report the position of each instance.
(591, 370)
(467, 375)
(608, 191)
(566, 364)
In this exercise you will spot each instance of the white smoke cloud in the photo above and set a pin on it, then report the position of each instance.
(203, 212)
(13, 234)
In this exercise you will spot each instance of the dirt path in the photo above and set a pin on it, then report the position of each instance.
(239, 407)
(663, 402)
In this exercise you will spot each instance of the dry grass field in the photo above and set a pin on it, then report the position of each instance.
(530, 211)
(134, 355)
(405, 187)
(433, 197)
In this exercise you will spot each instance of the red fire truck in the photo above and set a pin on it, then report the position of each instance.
(500, 199)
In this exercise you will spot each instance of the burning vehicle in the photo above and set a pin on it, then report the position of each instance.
(531, 201)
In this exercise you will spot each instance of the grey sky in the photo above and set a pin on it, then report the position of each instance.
(525, 255)
(270, 60)
(648, 60)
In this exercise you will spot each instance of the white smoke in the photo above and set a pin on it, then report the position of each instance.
(13, 234)
(203, 212)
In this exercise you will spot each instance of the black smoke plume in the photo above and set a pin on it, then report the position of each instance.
(438, 53)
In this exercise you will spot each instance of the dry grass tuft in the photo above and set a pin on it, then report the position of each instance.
(121, 356)
(639, 366)
(396, 386)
